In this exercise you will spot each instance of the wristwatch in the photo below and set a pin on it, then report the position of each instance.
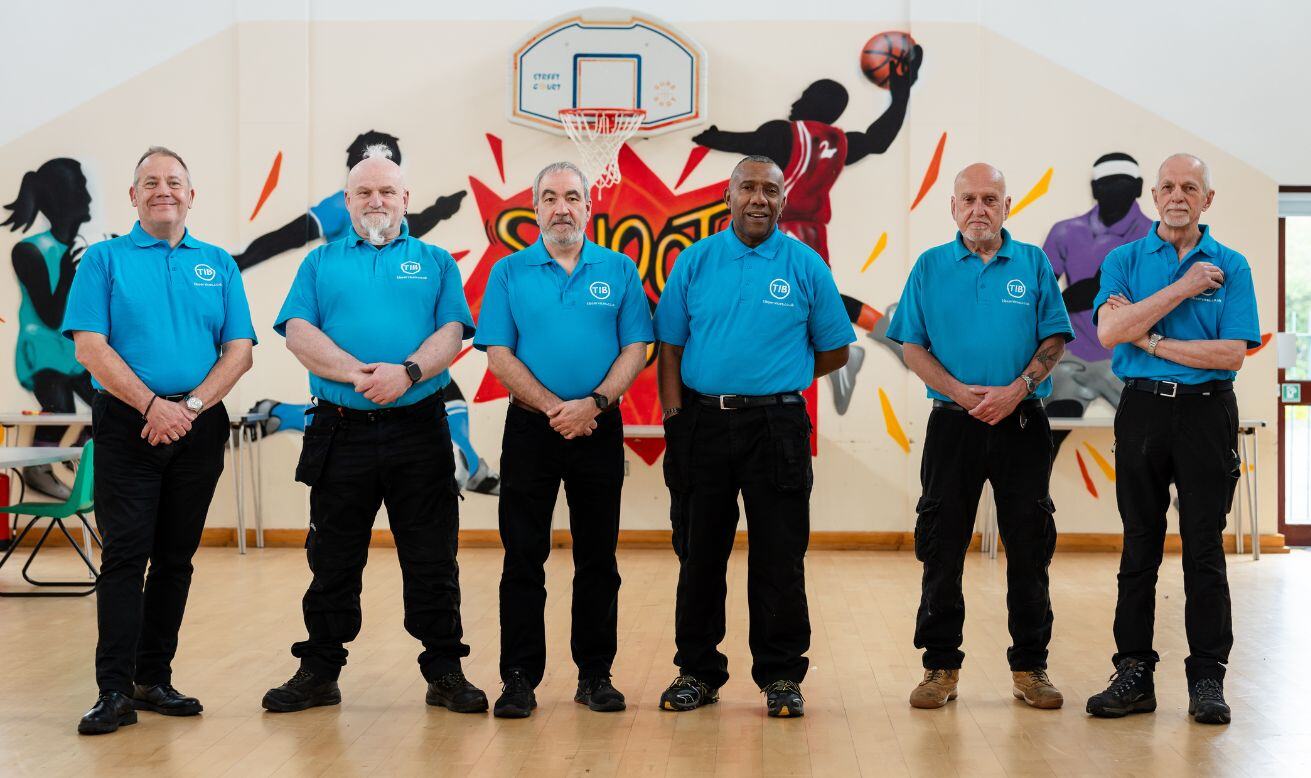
(193, 403)
(413, 370)
(1028, 382)
(602, 402)
(1153, 341)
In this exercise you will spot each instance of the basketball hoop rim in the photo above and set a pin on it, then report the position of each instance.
(592, 115)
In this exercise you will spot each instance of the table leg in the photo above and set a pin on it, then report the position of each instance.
(1255, 520)
(257, 483)
(1238, 492)
(241, 497)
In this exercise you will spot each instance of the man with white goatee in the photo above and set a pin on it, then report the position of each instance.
(377, 317)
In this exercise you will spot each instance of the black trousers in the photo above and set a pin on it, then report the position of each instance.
(1193, 441)
(534, 460)
(402, 458)
(711, 457)
(960, 453)
(151, 503)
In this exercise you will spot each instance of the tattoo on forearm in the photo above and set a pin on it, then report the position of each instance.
(1048, 359)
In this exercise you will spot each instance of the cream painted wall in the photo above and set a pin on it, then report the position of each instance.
(230, 103)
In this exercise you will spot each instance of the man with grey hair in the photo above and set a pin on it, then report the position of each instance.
(1179, 311)
(566, 326)
(377, 317)
(161, 322)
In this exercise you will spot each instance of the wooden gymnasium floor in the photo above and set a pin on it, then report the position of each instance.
(245, 611)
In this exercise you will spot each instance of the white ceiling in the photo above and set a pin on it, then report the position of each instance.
(1236, 74)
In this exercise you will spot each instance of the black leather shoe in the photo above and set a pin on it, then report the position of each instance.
(164, 700)
(111, 711)
(454, 692)
(783, 700)
(1132, 690)
(1206, 701)
(517, 699)
(303, 690)
(599, 695)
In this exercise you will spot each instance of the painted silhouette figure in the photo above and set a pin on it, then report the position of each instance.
(330, 220)
(812, 153)
(45, 264)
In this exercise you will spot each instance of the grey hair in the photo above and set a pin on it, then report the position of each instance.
(164, 151)
(1206, 169)
(560, 167)
(377, 150)
(753, 158)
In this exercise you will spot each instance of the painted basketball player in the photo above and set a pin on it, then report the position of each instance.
(813, 153)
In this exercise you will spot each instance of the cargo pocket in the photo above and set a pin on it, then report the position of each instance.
(314, 450)
(789, 427)
(1047, 515)
(678, 449)
(926, 521)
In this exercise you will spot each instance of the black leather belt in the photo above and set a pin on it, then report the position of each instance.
(732, 402)
(1025, 405)
(1173, 389)
(173, 398)
(377, 414)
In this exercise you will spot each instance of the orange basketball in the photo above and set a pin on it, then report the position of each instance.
(887, 53)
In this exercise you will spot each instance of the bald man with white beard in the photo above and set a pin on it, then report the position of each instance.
(376, 318)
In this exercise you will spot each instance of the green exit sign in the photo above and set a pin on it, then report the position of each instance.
(1290, 393)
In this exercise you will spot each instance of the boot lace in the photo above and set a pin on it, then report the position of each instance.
(1209, 690)
(780, 687)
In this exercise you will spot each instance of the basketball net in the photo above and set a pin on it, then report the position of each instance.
(598, 133)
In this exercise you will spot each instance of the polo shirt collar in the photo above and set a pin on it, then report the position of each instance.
(1205, 245)
(768, 248)
(537, 254)
(145, 240)
(354, 239)
(963, 251)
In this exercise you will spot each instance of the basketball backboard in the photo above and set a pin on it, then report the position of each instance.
(609, 58)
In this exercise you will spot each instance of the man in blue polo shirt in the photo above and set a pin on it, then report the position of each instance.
(748, 318)
(160, 321)
(565, 325)
(376, 317)
(982, 323)
(1180, 312)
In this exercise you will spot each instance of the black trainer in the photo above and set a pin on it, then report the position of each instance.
(1132, 690)
(783, 700)
(303, 690)
(111, 711)
(454, 692)
(165, 700)
(517, 699)
(1206, 701)
(687, 693)
(599, 695)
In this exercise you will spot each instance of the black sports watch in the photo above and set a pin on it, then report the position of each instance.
(602, 402)
(413, 371)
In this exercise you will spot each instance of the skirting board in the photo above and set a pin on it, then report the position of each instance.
(652, 538)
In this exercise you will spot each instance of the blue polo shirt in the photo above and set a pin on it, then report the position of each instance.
(983, 322)
(378, 304)
(1144, 267)
(751, 319)
(165, 309)
(567, 328)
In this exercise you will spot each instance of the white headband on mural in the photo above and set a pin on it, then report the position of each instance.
(1116, 167)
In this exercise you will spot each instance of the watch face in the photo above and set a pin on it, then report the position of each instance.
(194, 404)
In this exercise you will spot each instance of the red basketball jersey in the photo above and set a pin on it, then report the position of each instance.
(819, 152)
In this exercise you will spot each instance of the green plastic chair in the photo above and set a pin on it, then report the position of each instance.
(79, 503)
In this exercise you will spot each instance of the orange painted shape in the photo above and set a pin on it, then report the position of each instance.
(1265, 338)
(1039, 189)
(890, 420)
(270, 183)
(931, 175)
(1087, 481)
(878, 249)
(1107, 469)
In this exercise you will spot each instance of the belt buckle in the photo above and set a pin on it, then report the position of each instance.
(1174, 388)
(722, 398)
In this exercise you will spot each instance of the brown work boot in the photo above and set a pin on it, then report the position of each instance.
(937, 689)
(1036, 689)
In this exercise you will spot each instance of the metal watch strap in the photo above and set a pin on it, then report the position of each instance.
(1153, 341)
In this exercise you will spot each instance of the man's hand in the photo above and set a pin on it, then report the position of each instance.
(901, 79)
(971, 398)
(707, 136)
(166, 422)
(998, 402)
(445, 207)
(574, 418)
(382, 383)
(1201, 277)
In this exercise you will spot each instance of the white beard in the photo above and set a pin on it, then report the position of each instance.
(376, 225)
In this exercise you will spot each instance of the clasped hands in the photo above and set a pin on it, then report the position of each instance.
(991, 404)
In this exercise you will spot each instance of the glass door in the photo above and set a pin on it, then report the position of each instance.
(1295, 381)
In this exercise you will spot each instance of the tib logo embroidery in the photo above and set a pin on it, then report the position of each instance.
(600, 290)
(410, 267)
(1015, 288)
(779, 289)
(205, 273)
